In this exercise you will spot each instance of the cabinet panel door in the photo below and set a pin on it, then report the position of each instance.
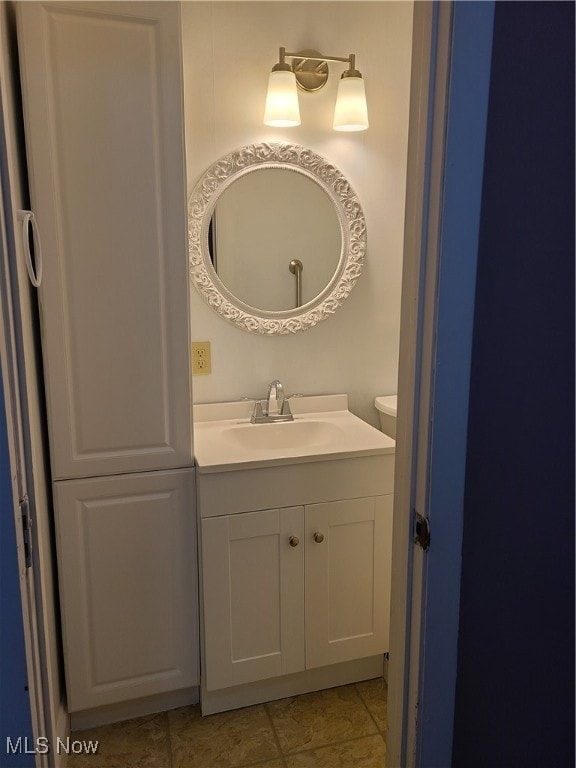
(128, 586)
(253, 588)
(348, 579)
(102, 97)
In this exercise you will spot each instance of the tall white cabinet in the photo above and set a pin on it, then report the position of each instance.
(102, 90)
(103, 110)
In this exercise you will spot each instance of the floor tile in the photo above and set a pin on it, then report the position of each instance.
(225, 740)
(139, 743)
(368, 752)
(320, 718)
(374, 693)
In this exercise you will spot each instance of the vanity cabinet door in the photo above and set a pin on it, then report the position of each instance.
(253, 596)
(103, 119)
(348, 572)
(128, 586)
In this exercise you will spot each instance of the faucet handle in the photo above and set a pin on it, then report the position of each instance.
(286, 410)
(257, 413)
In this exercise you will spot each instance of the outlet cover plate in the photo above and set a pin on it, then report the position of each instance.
(201, 358)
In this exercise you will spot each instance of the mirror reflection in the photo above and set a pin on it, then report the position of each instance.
(275, 238)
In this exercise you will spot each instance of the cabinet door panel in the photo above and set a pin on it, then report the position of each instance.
(102, 93)
(348, 579)
(128, 586)
(253, 587)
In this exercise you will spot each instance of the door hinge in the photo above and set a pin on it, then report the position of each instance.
(26, 529)
(421, 531)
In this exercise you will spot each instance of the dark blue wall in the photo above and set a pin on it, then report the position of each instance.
(15, 718)
(515, 686)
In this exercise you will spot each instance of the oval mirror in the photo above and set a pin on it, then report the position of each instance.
(276, 238)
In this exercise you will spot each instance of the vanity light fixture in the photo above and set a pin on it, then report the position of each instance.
(309, 72)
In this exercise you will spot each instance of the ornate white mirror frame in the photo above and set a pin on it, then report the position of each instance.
(201, 205)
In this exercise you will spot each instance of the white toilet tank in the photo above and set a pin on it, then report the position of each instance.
(386, 407)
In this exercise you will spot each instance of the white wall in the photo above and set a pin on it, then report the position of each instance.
(229, 49)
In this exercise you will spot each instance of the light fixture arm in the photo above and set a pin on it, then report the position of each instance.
(344, 59)
(311, 67)
(309, 72)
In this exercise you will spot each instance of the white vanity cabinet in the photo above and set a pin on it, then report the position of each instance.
(128, 586)
(295, 524)
(286, 590)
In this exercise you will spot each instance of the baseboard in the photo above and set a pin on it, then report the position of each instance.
(229, 698)
(113, 713)
(290, 685)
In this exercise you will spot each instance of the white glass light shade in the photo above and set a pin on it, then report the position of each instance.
(351, 113)
(282, 109)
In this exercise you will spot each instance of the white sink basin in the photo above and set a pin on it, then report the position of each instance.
(288, 434)
(323, 429)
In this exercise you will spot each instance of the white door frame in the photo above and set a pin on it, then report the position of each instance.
(452, 47)
(15, 434)
(414, 398)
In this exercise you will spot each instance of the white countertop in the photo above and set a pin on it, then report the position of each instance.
(323, 429)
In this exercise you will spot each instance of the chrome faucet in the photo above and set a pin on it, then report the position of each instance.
(275, 408)
(275, 398)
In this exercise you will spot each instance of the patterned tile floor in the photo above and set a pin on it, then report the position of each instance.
(337, 728)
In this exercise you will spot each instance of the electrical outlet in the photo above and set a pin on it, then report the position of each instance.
(201, 362)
